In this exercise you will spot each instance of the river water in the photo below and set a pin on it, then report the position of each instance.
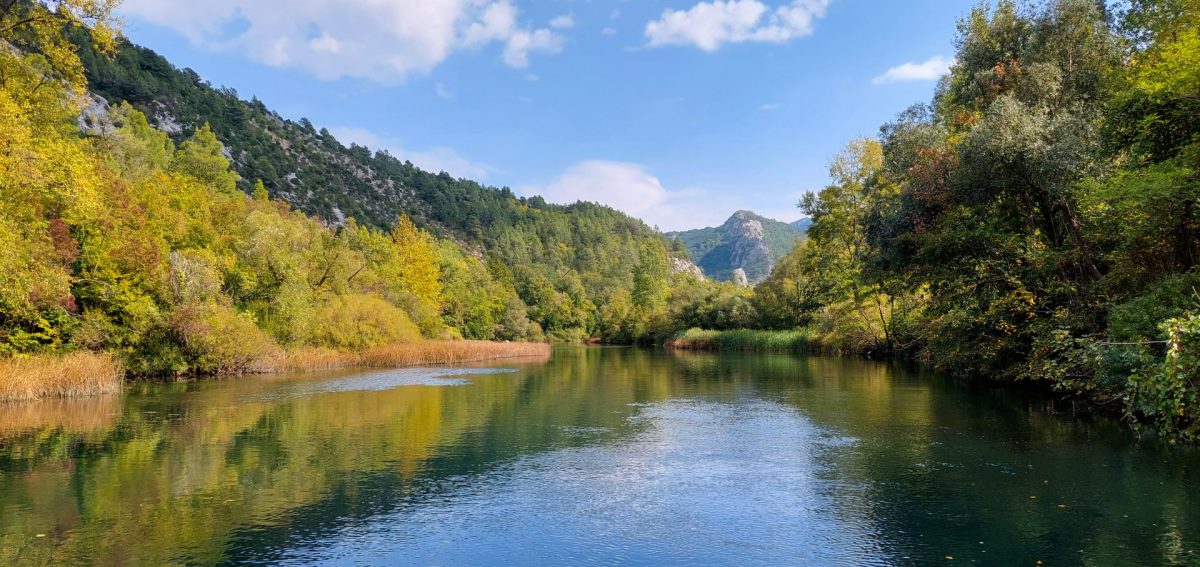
(597, 457)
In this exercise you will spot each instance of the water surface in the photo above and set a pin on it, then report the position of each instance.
(598, 457)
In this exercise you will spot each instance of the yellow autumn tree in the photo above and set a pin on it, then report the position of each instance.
(38, 29)
(413, 266)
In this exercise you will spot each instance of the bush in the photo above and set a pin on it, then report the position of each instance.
(217, 339)
(362, 321)
(1171, 397)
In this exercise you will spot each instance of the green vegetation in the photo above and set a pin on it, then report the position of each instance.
(748, 241)
(150, 244)
(122, 241)
(1036, 222)
(562, 262)
(742, 340)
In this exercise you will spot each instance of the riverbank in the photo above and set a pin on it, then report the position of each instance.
(743, 340)
(87, 374)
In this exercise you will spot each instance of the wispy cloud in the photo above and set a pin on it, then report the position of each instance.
(565, 21)
(770, 106)
(710, 25)
(929, 70)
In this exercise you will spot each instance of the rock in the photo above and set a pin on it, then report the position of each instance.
(739, 278)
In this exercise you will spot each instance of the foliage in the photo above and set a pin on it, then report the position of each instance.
(742, 340)
(1169, 396)
(362, 321)
(1035, 222)
(120, 240)
(563, 260)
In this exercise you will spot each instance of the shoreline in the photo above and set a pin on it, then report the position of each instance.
(87, 374)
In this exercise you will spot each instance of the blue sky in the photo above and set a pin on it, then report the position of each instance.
(677, 111)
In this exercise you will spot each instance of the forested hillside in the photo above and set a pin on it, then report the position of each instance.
(154, 246)
(565, 262)
(1037, 221)
(747, 242)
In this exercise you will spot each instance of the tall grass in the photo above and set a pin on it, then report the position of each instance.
(401, 354)
(742, 340)
(74, 375)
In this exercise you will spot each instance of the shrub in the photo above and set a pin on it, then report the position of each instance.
(218, 339)
(362, 321)
(1171, 397)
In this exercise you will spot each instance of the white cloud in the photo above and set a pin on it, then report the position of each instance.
(442, 91)
(930, 70)
(709, 25)
(633, 189)
(522, 43)
(565, 21)
(436, 159)
(326, 44)
(609, 31)
(383, 41)
(769, 107)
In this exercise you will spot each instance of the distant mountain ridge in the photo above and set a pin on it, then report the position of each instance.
(747, 241)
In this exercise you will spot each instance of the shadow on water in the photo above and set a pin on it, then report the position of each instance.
(598, 456)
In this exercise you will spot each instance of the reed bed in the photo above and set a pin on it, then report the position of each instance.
(75, 375)
(425, 353)
(742, 340)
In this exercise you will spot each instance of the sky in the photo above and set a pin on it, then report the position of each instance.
(679, 112)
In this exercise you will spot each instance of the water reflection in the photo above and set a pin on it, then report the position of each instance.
(598, 456)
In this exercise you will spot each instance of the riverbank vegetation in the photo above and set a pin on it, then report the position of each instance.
(148, 244)
(75, 375)
(1035, 222)
(124, 252)
(746, 340)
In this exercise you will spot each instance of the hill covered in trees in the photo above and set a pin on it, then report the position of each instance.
(182, 230)
(747, 242)
(564, 262)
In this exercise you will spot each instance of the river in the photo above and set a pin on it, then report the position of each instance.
(600, 456)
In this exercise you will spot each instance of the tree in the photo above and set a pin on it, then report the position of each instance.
(202, 157)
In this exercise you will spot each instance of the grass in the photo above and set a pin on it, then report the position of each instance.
(742, 340)
(401, 354)
(74, 375)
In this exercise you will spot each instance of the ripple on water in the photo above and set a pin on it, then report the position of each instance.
(670, 494)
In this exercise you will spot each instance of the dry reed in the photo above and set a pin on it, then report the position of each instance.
(74, 375)
(423, 353)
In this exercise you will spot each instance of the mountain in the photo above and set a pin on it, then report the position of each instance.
(747, 242)
(803, 225)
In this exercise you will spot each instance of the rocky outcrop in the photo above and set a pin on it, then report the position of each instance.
(682, 266)
(739, 278)
(746, 242)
